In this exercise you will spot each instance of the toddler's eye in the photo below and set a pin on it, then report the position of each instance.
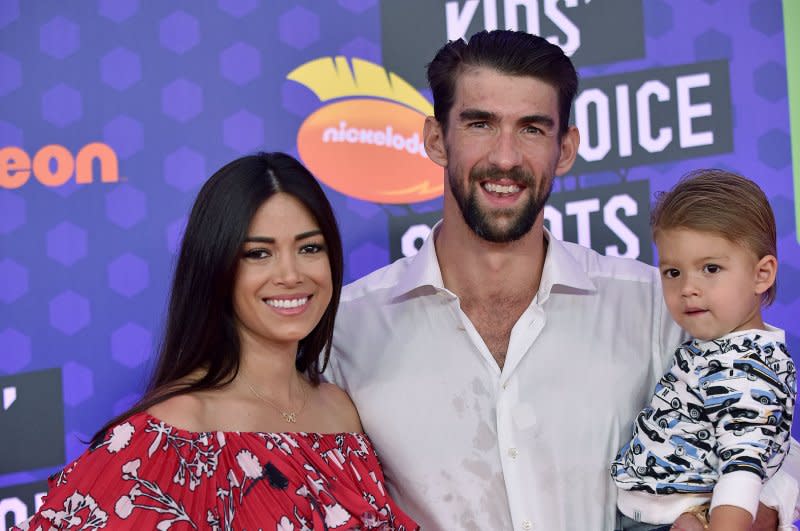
(671, 273)
(711, 268)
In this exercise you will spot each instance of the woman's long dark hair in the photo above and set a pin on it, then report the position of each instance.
(201, 331)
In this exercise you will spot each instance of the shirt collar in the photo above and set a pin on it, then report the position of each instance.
(768, 333)
(560, 268)
(423, 269)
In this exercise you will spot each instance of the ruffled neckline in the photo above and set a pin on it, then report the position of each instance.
(303, 434)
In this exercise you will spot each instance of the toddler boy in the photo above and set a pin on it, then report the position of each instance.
(720, 419)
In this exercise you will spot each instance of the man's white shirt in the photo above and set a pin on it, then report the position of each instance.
(466, 445)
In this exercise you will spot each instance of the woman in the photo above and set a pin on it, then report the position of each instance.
(236, 431)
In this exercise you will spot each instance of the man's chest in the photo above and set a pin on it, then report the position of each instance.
(494, 322)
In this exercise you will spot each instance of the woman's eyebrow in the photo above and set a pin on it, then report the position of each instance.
(267, 239)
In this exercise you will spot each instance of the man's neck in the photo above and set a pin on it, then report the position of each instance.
(476, 269)
(494, 282)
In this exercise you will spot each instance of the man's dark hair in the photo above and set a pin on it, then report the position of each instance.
(514, 53)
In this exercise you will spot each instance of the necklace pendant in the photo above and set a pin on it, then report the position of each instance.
(289, 416)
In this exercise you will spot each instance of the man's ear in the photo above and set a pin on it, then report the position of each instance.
(433, 136)
(766, 270)
(569, 150)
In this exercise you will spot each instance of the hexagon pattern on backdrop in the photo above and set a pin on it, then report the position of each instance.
(66, 243)
(179, 91)
(13, 280)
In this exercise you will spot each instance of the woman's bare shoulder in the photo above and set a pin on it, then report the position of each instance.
(186, 411)
(338, 403)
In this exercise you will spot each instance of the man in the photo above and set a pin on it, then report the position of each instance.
(498, 371)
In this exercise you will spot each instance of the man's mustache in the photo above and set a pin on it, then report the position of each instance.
(517, 175)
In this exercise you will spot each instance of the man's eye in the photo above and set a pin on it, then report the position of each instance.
(533, 130)
(711, 268)
(478, 125)
(671, 273)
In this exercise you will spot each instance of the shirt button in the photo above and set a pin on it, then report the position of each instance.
(513, 453)
(526, 524)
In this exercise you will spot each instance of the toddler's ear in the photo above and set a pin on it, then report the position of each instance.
(766, 270)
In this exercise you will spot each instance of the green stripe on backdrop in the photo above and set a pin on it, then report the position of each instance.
(791, 31)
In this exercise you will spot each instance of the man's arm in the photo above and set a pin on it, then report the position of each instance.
(767, 520)
(730, 518)
(779, 498)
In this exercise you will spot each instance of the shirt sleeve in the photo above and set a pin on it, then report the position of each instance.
(751, 409)
(668, 333)
(333, 373)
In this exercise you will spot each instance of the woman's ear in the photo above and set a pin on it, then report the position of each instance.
(433, 136)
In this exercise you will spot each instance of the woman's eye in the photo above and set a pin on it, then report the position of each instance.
(256, 254)
(312, 248)
(671, 273)
(711, 268)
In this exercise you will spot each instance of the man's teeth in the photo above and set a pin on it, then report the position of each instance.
(501, 189)
(286, 303)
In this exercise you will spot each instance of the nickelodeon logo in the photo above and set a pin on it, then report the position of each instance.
(375, 137)
(369, 144)
(54, 165)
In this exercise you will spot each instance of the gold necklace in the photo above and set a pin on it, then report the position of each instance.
(288, 416)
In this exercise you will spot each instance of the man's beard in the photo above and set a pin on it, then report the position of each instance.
(484, 224)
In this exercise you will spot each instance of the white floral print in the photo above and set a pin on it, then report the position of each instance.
(156, 476)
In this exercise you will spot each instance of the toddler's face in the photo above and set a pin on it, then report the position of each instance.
(711, 285)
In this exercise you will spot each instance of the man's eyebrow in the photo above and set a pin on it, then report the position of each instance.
(540, 119)
(475, 114)
(267, 239)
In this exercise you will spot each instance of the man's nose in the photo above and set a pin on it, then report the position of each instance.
(506, 153)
